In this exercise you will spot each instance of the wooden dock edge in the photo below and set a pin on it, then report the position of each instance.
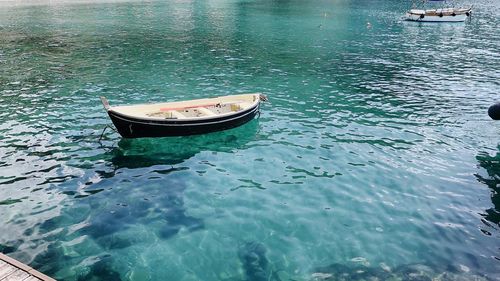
(19, 265)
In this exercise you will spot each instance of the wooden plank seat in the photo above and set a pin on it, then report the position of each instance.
(177, 114)
(206, 111)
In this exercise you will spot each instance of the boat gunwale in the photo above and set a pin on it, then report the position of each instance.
(446, 12)
(189, 119)
(179, 122)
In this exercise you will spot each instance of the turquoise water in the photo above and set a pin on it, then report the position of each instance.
(374, 157)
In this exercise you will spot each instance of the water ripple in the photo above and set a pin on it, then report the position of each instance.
(374, 150)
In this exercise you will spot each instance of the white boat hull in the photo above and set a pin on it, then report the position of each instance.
(457, 18)
(439, 15)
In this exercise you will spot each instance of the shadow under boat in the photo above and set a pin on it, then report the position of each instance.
(147, 152)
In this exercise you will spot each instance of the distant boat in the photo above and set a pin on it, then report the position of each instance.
(439, 15)
(183, 117)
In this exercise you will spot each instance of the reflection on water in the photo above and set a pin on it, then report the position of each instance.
(137, 153)
(492, 179)
(106, 218)
(114, 212)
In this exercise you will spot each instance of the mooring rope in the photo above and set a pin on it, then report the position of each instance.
(104, 130)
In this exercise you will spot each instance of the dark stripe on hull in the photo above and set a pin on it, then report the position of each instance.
(139, 128)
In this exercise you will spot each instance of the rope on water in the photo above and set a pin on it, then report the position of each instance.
(104, 130)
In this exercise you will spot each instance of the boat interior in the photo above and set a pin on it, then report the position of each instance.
(193, 109)
(441, 12)
(202, 111)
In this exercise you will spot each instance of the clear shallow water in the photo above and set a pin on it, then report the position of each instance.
(375, 151)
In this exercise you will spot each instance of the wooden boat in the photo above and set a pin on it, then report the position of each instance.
(184, 117)
(439, 15)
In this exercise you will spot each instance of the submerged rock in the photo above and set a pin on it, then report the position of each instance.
(409, 272)
(321, 276)
(342, 272)
(253, 257)
(10, 246)
(385, 267)
(361, 260)
(102, 270)
(175, 218)
(415, 272)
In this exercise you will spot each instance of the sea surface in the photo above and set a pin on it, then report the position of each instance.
(375, 156)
